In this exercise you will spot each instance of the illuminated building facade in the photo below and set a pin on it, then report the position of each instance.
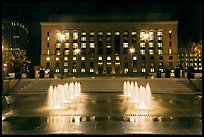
(191, 57)
(119, 45)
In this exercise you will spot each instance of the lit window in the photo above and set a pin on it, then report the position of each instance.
(117, 58)
(74, 58)
(48, 38)
(66, 45)
(134, 58)
(142, 35)
(65, 58)
(83, 70)
(108, 58)
(57, 52)
(151, 52)
(108, 63)
(48, 52)
(159, 38)
(142, 45)
(142, 52)
(99, 58)
(125, 45)
(108, 33)
(151, 44)
(159, 33)
(75, 45)
(83, 45)
(91, 70)
(83, 38)
(65, 69)
(117, 33)
(91, 45)
(143, 69)
(56, 70)
(159, 44)
(65, 64)
(151, 69)
(100, 33)
(82, 58)
(83, 33)
(74, 70)
(75, 35)
(126, 70)
(47, 58)
(58, 45)
(100, 63)
(117, 63)
(134, 33)
(159, 51)
(169, 51)
(151, 35)
(57, 58)
(92, 33)
(66, 52)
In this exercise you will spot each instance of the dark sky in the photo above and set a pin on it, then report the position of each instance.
(189, 15)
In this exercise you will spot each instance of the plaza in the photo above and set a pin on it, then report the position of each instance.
(102, 109)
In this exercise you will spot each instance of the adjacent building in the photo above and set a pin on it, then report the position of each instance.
(114, 44)
(191, 56)
(16, 36)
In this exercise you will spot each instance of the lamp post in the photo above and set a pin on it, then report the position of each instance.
(132, 51)
(77, 52)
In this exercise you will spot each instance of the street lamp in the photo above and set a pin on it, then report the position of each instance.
(132, 51)
(77, 52)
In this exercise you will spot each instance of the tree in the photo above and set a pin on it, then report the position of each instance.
(15, 57)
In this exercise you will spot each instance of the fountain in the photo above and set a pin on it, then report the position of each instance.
(138, 94)
(61, 94)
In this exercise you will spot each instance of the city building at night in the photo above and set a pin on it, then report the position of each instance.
(191, 56)
(16, 36)
(115, 44)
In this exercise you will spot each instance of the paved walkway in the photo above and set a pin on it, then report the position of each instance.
(107, 113)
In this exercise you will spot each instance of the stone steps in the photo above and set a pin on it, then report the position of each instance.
(106, 85)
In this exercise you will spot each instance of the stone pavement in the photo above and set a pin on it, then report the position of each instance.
(104, 113)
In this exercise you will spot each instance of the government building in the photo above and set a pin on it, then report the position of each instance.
(109, 45)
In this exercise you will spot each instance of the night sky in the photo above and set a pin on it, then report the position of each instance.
(189, 15)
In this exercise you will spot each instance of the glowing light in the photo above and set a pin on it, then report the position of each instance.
(146, 36)
(62, 36)
(132, 50)
(77, 51)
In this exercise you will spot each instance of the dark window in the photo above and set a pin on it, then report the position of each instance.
(125, 50)
(143, 57)
(91, 51)
(100, 47)
(161, 58)
(48, 34)
(117, 44)
(108, 51)
(91, 65)
(47, 65)
(126, 65)
(152, 57)
(170, 57)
